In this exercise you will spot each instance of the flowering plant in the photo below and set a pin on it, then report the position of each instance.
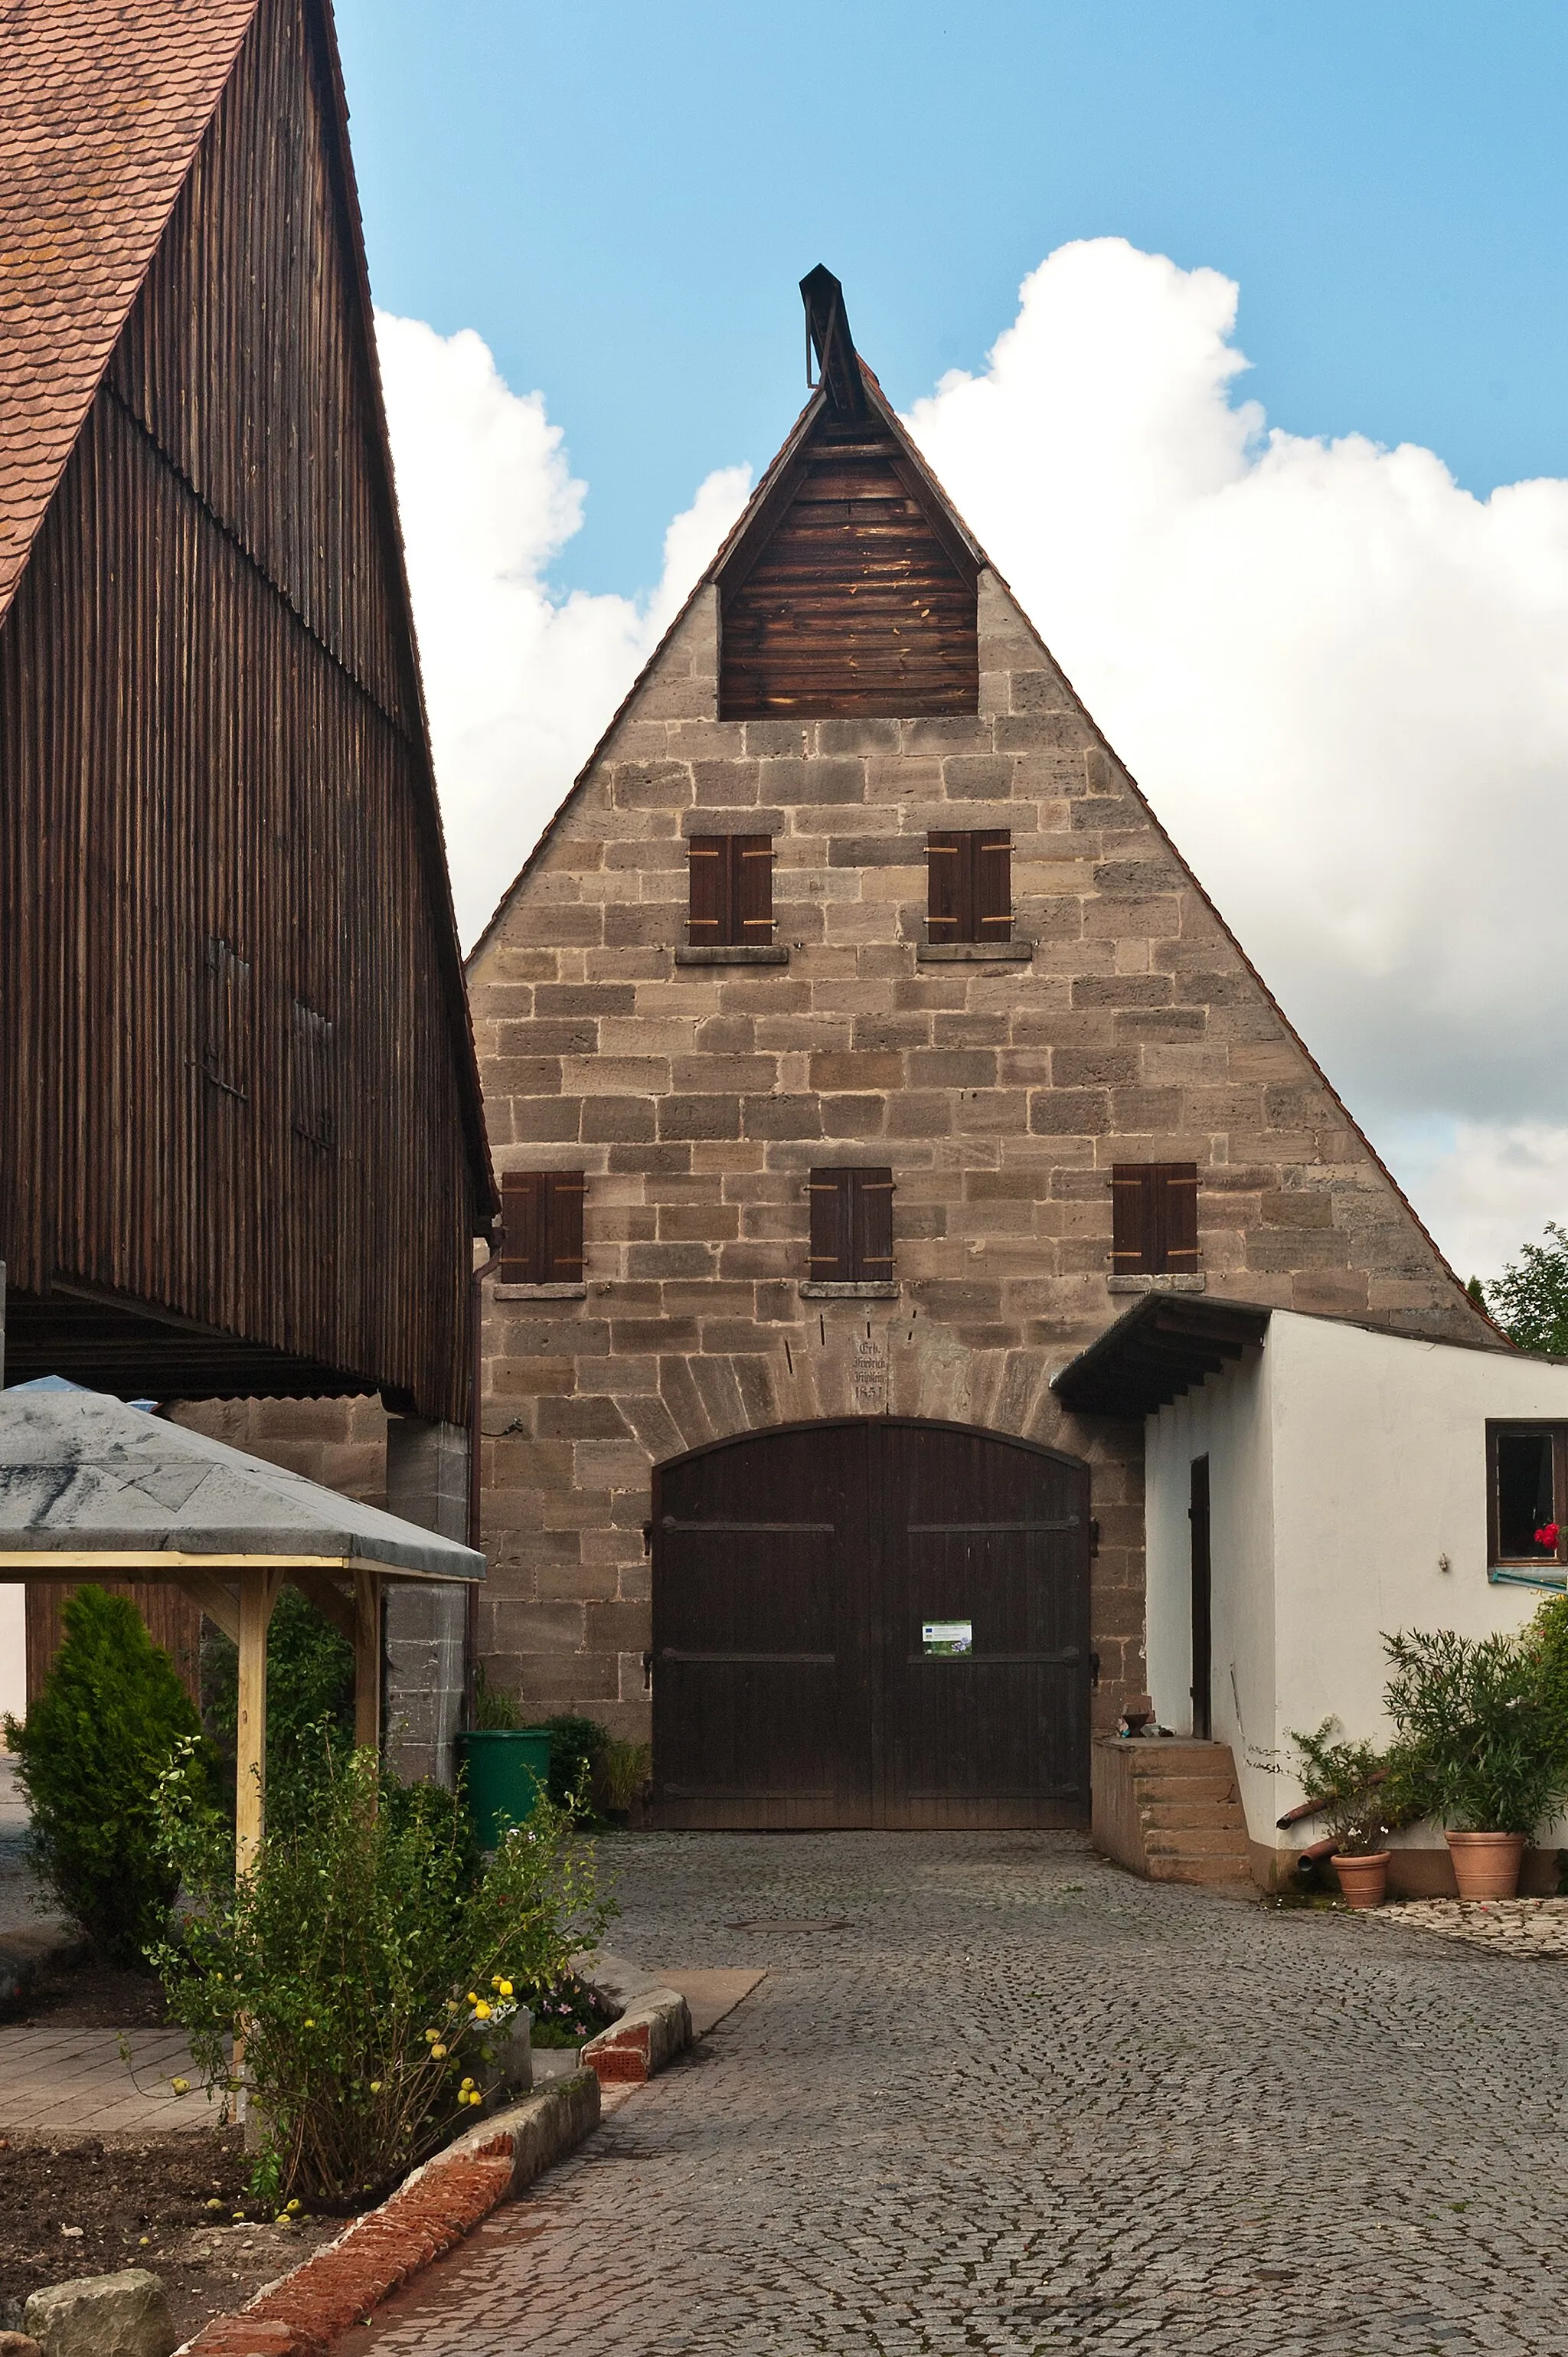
(1343, 1780)
(1546, 1537)
(369, 1973)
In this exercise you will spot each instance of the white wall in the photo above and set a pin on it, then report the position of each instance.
(1371, 1449)
(13, 1651)
(1228, 1420)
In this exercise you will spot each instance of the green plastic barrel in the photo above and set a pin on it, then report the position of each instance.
(508, 1768)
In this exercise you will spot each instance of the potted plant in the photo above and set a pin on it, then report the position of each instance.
(1482, 1746)
(1342, 1781)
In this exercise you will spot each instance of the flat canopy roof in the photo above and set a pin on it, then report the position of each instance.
(97, 1484)
(1161, 1348)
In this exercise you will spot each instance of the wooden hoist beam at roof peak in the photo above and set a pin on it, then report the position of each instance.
(827, 330)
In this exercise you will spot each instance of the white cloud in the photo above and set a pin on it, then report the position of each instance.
(519, 679)
(1341, 681)
(1340, 678)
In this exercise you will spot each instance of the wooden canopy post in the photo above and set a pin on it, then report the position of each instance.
(367, 1660)
(258, 1594)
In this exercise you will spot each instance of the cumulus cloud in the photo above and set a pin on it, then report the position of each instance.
(1339, 677)
(519, 681)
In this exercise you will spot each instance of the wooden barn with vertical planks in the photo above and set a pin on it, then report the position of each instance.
(242, 1144)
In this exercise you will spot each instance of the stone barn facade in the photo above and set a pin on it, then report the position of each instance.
(854, 1042)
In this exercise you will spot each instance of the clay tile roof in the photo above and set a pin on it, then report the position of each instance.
(102, 109)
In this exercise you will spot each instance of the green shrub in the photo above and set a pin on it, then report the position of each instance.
(94, 1750)
(1484, 1740)
(366, 1964)
(495, 1709)
(623, 1770)
(1348, 1781)
(574, 1747)
(310, 1698)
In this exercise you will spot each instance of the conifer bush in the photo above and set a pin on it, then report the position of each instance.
(95, 1750)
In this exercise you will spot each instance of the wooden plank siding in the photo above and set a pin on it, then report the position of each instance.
(211, 731)
(850, 601)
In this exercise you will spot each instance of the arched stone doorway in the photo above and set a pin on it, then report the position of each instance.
(877, 1621)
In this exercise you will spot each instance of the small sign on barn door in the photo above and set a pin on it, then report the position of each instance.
(947, 1637)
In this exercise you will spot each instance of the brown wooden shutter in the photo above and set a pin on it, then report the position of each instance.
(523, 1248)
(751, 891)
(707, 874)
(945, 868)
(852, 1227)
(871, 1203)
(993, 856)
(563, 1193)
(1131, 1219)
(831, 1248)
(1176, 1217)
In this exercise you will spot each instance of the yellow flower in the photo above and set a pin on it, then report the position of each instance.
(472, 1998)
(475, 2096)
(432, 2035)
(292, 2206)
(308, 2022)
(375, 2086)
(239, 2217)
(505, 1988)
(466, 2084)
(481, 2010)
(495, 1980)
(214, 2204)
(144, 2240)
(283, 2219)
(180, 2086)
(438, 2050)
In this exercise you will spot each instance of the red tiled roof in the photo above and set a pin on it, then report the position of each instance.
(102, 109)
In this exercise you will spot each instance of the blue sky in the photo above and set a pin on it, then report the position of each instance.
(621, 199)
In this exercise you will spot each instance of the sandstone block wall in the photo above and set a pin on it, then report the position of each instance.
(697, 1097)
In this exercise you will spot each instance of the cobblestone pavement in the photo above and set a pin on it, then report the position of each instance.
(1021, 2102)
(1530, 1927)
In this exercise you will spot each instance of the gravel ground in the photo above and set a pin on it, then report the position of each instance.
(1023, 2103)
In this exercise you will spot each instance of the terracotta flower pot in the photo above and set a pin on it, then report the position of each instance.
(1487, 1866)
(1362, 1881)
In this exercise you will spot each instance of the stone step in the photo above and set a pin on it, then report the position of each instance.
(1183, 1787)
(1196, 1841)
(1157, 1814)
(1212, 1871)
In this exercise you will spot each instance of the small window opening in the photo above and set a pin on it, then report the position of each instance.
(1528, 1492)
(310, 1058)
(542, 1214)
(226, 1018)
(731, 889)
(969, 886)
(1153, 1219)
(852, 1226)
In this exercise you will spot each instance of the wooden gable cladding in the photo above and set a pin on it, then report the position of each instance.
(850, 595)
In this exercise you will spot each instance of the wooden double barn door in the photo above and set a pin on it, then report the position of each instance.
(878, 1622)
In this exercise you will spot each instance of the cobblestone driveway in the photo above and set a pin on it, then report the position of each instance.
(1022, 2102)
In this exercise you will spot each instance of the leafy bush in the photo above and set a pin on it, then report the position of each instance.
(1346, 1782)
(310, 1698)
(365, 1965)
(95, 1754)
(1484, 1739)
(1530, 1300)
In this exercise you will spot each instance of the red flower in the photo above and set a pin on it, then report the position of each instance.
(1546, 1535)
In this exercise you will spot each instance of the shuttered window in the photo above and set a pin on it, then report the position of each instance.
(1154, 1226)
(731, 897)
(310, 1074)
(541, 1216)
(969, 886)
(852, 1227)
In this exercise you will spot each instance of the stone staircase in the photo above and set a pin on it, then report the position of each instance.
(1171, 1810)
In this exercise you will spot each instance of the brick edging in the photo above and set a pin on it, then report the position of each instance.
(654, 2028)
(304, 2312)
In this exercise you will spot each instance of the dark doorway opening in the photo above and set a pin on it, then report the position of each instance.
(878, 1622)
(1202, 1606)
